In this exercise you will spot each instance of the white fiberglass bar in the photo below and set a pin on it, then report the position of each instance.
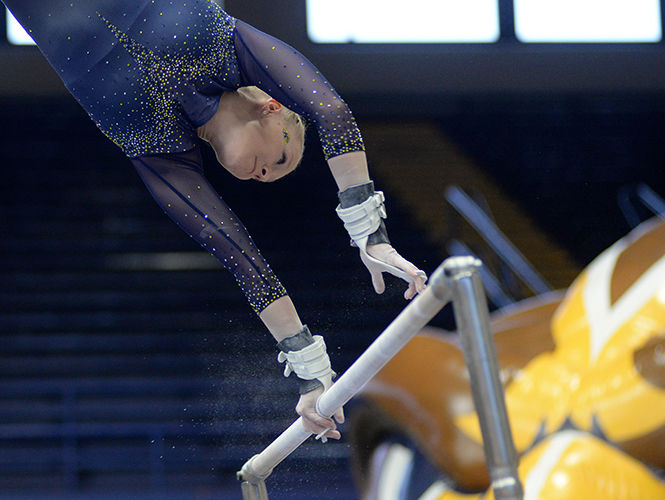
(457, 279)
(409, 322)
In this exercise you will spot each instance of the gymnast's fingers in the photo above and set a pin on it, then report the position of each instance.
(339, 416)
(321, 426)
(312, 421)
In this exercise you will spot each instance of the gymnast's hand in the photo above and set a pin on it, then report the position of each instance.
(315, 423)
(386, 254)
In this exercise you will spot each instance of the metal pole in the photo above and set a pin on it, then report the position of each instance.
(404, 327)
(496, 239)
(251, 491)
(472, 317)
(651, 199)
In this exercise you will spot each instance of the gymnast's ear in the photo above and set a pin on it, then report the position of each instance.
(270, 106)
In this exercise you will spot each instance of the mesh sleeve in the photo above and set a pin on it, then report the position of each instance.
(177, 183)
(289, 77)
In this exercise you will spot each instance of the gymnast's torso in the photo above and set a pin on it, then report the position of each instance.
(150, 72)
(146, 72)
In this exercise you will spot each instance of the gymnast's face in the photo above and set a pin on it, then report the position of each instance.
(264, 149)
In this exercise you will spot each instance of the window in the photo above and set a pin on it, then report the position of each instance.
(588, 20)
(15, 33)
(393, 21)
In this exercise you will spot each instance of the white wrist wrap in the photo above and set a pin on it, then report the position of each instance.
(363, 219)
(309, 363)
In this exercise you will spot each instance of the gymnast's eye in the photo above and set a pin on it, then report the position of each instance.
(282, 160)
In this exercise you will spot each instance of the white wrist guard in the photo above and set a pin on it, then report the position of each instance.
(363, 219)
(309, 363)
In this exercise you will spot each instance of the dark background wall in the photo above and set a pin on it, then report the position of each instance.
(561, 129)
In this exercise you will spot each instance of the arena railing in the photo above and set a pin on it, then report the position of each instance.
(497, 240)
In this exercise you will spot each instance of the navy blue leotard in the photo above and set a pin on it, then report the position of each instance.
(149, 72)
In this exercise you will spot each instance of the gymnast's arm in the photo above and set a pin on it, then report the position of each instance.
(177, 183)
(289, 77)
(293, 80)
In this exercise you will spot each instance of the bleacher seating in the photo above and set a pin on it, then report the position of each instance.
(129, 360)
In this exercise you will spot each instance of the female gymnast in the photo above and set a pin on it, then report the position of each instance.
(158, 75)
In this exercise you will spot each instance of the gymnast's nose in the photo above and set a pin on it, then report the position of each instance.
(263, 174)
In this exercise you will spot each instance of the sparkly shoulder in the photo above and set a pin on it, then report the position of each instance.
(292, 79)
(171, 87)
(149, 73)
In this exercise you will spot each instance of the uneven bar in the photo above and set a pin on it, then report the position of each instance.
(457, 279)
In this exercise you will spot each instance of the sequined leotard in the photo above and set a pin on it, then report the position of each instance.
(149, 72)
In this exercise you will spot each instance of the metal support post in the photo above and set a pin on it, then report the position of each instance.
(472, 317)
